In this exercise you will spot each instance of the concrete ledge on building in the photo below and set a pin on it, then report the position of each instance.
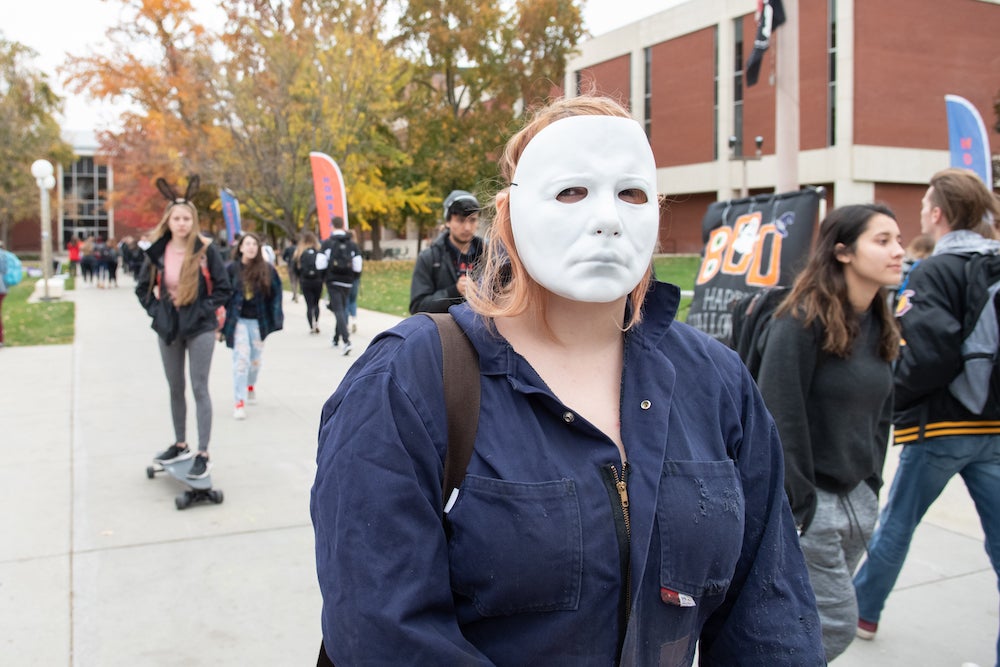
(57, 286)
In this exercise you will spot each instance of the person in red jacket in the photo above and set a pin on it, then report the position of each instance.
(73, 248)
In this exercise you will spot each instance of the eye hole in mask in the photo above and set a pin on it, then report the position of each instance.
(575, 194)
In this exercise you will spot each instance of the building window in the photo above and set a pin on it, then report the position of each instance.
(831, 101)
(715, 94)
(84, 200)
(738, 85)
(648, 105)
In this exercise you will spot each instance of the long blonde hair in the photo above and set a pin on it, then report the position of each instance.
(505, 289)
(187, 288)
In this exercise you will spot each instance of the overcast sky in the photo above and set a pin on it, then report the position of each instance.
(56, 27)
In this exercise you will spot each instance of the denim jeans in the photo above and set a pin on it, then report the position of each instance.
(247, 351)
(338, 304)
(352, 299)
(924, 470)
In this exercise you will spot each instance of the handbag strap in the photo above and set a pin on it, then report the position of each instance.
(460, 373)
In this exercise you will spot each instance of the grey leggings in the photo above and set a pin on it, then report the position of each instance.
(199, 350)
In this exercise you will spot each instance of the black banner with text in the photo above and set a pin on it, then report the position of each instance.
(750, 244)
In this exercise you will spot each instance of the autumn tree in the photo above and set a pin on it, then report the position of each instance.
(160, 61)
(305, 76)
(480, 65)
(28, 131)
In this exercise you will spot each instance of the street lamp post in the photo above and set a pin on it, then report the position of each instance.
(42, 171)
(759, 141)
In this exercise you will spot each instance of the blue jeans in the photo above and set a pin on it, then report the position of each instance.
(924, 470)
(352, 299)
(247, 351)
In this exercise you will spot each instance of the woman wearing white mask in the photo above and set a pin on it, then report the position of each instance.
(624, 498)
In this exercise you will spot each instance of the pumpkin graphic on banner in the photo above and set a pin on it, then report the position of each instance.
(750, 244)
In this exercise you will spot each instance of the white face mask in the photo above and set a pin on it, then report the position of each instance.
(584, 211)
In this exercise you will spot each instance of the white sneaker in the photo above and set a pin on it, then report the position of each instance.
(240, 413)
(251, 396)
(354, 325)
(346, 350)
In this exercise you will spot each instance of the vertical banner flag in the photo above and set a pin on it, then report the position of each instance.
(967, 140)
(770, 14)
(331, 197)
(231, 214)
(750, 244)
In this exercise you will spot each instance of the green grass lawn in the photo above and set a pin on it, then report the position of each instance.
(40, 323)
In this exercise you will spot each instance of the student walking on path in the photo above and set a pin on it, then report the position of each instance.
(826, 377)
(310, 264)
(253, 312)
(623, 502)
(942, 431)
(181, 284)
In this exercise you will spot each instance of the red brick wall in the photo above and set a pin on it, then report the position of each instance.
(680, 224)
(609, 79)
(758, 100)
(683, 89)
(903, 68)
(904, 200)
(814, 75)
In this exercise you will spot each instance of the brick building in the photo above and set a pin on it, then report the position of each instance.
(872, 79)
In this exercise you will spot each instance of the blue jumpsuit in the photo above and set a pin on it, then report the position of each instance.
(538, 562)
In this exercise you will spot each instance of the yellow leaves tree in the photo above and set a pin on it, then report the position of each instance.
(481, 63)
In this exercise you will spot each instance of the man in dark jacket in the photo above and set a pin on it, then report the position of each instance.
(941, 435)
(440, 276)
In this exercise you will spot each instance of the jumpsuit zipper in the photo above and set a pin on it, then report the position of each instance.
(617, 485)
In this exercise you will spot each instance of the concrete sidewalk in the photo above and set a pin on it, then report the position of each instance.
(97, 568)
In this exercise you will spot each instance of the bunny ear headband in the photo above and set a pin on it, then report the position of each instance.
(172, 195)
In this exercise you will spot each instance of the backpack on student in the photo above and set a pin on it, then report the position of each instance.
(980, 376)
(460, 372)
(341, 258)
(312, 264)
(751, 316)
(14, 272)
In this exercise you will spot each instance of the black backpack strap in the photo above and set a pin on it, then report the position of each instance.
(460, 372)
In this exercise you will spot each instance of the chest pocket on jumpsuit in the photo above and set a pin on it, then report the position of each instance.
(700, 513)
(503, 532)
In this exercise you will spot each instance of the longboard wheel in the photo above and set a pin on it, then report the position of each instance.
(217, 496)
(182, 501)
(150, 472)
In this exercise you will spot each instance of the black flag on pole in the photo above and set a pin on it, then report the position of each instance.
(750, 244)
(770, 14)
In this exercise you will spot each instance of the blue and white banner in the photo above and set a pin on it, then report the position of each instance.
(231, 214)
(967, 140)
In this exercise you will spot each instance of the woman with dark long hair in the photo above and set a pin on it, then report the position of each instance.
(253, 312)
(826, 377)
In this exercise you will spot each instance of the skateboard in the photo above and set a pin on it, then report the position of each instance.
(199, 490)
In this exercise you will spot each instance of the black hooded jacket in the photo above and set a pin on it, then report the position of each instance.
(433, 289)
(198, 317)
